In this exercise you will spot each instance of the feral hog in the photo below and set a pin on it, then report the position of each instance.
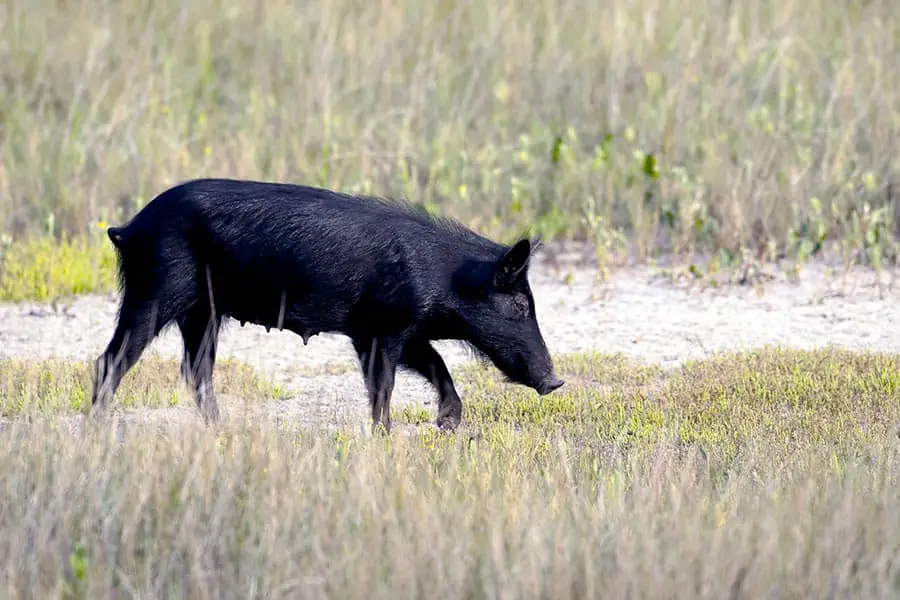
(388, 276)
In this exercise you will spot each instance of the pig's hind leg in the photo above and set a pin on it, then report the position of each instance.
(159, 283)
(140, 320)
(199, 332)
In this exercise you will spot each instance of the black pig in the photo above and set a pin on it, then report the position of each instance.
(388, 276)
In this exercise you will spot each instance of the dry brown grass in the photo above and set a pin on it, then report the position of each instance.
(599, 492)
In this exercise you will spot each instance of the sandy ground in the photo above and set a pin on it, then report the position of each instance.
(636, 312)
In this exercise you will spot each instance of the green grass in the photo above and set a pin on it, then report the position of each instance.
(766, 474)
(59, 386)
(785, 399)
(745, 130)
(45, 269)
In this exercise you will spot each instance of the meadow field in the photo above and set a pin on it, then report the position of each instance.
(739, 129)
(769, 474)
(713, 137)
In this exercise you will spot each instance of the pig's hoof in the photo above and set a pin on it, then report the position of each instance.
(448, 422)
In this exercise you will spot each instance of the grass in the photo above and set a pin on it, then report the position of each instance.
(745, 130)
(60, 386)
(765, 474)
(41, 268)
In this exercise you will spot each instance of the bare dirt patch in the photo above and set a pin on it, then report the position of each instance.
(636, 312)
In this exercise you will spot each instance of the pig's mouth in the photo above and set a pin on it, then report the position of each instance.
(549, 385)
(543, 386)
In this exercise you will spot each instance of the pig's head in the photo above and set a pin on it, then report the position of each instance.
(500, 320)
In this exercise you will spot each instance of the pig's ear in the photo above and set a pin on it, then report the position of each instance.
(513, 264)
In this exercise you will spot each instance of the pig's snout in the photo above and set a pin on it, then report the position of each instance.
(549, 385)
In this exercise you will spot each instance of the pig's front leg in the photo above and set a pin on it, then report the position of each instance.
(421, 357)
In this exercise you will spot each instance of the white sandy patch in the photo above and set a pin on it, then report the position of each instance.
(635, 313)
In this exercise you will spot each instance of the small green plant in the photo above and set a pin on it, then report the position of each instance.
(414, 415)
(78, 565)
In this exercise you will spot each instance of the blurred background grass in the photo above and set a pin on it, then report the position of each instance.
(737, 128)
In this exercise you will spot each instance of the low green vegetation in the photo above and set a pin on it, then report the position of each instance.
(766, 474)
(783, 399)
(45, 269)
(58, 386)
(745, 131)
